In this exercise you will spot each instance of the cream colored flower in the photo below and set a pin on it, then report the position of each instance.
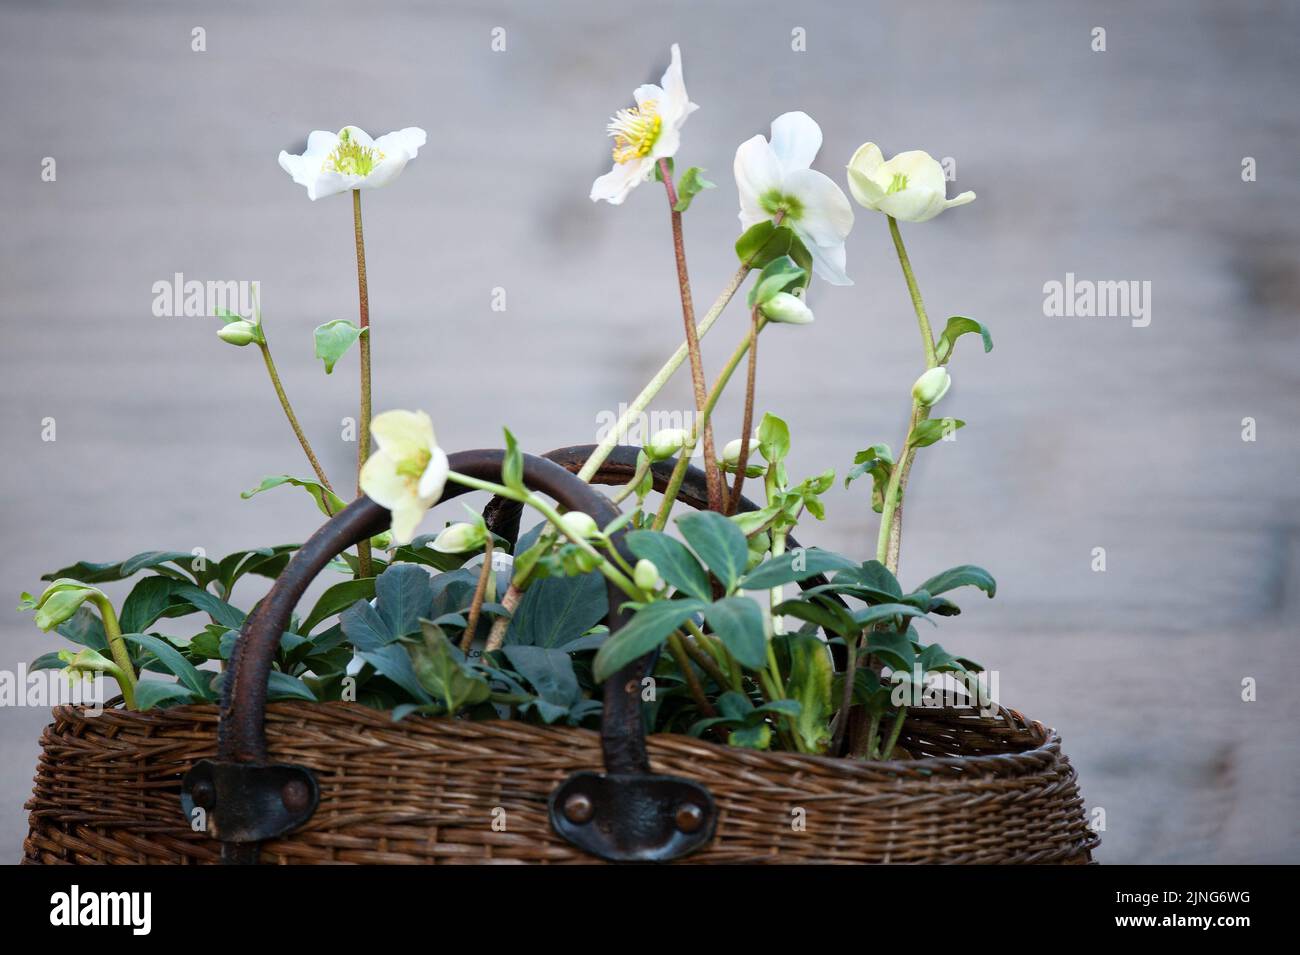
(350, 159)
(408, 471)
(911, 186)
(645, 133)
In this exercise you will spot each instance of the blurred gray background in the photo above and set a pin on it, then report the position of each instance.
(1082, 432)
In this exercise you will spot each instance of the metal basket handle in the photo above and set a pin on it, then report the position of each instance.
(626, 813)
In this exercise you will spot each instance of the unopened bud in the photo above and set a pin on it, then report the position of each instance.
(580, 524)
(666, 443)
(459, 538)
(239, 333)
(932, 386)
(787, 308)
(646, 575)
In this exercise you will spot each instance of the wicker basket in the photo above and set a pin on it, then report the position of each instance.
(110, 788)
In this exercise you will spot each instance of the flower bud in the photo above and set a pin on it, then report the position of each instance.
(239, 333)
(646, 575)
(459, 538)
(932, 386)
(580, 524)
(787, 308)
(731, 452)
(666, 443)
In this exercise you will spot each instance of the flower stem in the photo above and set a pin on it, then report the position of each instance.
(293, 421)
(117, 650)
(888, 749)
(927, 336)
(656, 384)
(713, 476)
(363, 426)
(747, 427)
(890, 540)
(476, 604)
(683, 460)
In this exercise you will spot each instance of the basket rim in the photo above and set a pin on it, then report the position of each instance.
(1018, 762)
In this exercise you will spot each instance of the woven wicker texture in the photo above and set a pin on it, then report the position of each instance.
(429, 791)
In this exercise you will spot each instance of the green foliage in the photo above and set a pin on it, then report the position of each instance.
(764, 242)
(878, 461)
(333, 339)
(958, 326)
(326, 500)
(931, 430)
(691, 184)
(782, 274)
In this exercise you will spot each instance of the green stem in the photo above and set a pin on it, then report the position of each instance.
(612, 573)
(927, 336)
(692, 681)
(656, 384)
(293, 420)
(117, 650)
(894, 732)
(684, 459)
(363, 428)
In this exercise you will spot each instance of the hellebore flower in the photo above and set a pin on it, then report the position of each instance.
(350, 159)
(407, 472)
(910, 187)
(932, 386)
(645, 133)
(774, 179)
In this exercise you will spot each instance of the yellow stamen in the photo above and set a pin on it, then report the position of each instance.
(350, 158)
(635, 131)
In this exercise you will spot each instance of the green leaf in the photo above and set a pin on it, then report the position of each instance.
(149, 599)
(84, 628)
(555, 611)
(773, 438)
(810, 685)
(46, 661)
(512, 468)
(758, 736)
(719, 543)
(738, 622)
(549, 670)
(394, 663)
(867, 616)
(89, 573)
(338, 598)
(441, 670)
(282, 686)
(762, 243)
(150, 694)
(878, 461)
(795, 565)
(646, 631)
(175, 663)
(957, 327)
(893, 649)
(967, 575)
(676, 564)
(933, 429)
(333, 339)
(216, 608)
(826, 614)
(779, 275)
(402, 596)
(691, 184)
(328, 502)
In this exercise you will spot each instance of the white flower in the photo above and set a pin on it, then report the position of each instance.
(774, 179)
(911, 186)
(645, 133)
(931, 386)
(787, 308)
(407, 472)
(350, 159)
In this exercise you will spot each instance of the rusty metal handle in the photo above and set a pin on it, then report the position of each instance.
(241, 735)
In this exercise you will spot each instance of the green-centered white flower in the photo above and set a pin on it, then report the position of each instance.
(773, 179)
(350, 159)
(408, 471)
(910, 187)
(645, 133)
